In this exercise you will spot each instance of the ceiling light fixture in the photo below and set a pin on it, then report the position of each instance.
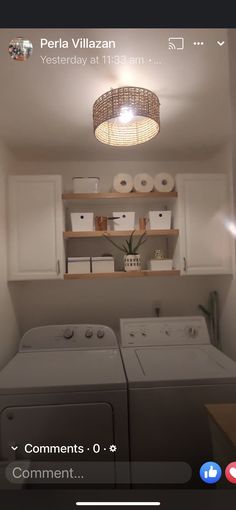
(126, 116)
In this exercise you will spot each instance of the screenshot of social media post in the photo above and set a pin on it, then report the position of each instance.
(117, 261)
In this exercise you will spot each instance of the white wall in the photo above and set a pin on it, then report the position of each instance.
(9, 329)
(107, 169)
(105, 301)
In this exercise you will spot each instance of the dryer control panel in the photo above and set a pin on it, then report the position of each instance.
(68, 337)
(164, 331)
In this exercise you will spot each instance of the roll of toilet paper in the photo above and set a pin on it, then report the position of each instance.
(164, 182)
(123, 183)
(143, 183)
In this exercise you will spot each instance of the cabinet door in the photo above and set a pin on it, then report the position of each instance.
(35, 227)
(206, 245)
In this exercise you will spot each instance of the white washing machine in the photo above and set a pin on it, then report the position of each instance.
(66, 386)
(173, 371)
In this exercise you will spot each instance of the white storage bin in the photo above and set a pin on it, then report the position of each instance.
(82, 221)
(126, 220)
(103, 265)
(160, 265)
(85, 184)
(159, 220)
(78, 265)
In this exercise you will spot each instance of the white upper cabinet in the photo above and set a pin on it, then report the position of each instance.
(35, 227)
(204, 210)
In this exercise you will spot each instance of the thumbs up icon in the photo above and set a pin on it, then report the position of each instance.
(210, 472)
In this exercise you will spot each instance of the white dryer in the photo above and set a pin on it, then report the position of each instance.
(173, 371)
(66, 386)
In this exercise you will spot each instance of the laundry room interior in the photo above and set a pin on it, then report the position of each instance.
(31, 145)
(52, 143)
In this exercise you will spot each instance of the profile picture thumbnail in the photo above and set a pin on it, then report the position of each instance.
(20, 49)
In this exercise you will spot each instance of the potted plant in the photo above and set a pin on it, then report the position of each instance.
(132, 259)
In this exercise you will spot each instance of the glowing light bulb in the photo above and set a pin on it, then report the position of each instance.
(126, 114)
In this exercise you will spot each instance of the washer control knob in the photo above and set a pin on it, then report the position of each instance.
(192, 332)
(89, 333)
(100, 333)
(68, 333)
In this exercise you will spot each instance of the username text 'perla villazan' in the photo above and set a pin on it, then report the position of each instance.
(79, 43)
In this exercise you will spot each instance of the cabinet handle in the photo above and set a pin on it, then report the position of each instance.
(58, 267)
(185, 264)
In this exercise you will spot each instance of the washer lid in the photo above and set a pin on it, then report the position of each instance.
(154, 366)
(55, 371)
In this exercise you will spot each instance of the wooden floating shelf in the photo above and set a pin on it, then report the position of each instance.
(119, 233)
(121, 274)
(113, 195)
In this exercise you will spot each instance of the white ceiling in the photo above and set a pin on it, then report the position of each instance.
(46, 110)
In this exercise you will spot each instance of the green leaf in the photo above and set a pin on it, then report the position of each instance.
(125, 249)
(114, 244)
(141, 241)
(131, 243)
(130, 249)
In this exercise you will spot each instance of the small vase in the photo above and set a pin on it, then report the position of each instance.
(132, 262)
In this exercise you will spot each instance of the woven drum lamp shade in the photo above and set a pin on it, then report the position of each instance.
(126, 116)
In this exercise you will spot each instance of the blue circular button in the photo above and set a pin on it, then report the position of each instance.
(210, 472)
